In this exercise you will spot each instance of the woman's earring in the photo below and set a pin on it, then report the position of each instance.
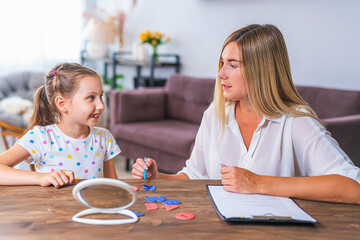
(65, 111)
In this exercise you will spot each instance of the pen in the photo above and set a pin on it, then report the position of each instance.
(145, 170)
(223, 165)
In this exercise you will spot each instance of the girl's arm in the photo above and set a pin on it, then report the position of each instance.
(327, 188)
(109, 169)
(14, 156)
(11, 176)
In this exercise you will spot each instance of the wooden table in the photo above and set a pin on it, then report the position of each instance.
(32, 212)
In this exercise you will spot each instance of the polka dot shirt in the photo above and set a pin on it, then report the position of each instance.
(52, 150)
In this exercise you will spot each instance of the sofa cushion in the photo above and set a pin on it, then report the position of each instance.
(13, 119)
(22, 84)
(188, 97)
(5, 88)
(137, 106)
(174, 137)
(36, 79)
(328, 103)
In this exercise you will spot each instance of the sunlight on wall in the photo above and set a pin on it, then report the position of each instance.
(38, 34)
(322, 36)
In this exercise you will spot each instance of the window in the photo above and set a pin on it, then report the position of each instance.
(37, 34)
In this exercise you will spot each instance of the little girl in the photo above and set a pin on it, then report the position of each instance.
(62, 137)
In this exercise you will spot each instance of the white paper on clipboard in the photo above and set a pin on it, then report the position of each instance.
(256, 206)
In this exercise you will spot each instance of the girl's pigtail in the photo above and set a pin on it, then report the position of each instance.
(42, 110)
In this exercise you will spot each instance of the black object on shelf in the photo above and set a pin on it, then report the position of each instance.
(145, 82)
(165, 60)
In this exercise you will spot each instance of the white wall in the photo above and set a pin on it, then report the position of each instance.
(323, 36)
(35, 35)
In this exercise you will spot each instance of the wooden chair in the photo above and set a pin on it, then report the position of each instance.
(9, 130)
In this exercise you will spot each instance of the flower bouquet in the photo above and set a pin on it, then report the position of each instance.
(154, 39)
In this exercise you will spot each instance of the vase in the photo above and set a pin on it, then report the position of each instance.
(97, 50)
(155, 54)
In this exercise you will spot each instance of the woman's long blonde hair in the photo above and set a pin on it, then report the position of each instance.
(266, 68)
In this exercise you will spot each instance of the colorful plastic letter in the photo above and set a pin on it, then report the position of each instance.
(185, 216)
(169, 207)
(151, 206)
(171, 202)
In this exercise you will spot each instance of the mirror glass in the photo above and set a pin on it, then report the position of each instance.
(106, 196)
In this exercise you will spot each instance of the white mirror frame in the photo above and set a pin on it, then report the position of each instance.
(93, 210)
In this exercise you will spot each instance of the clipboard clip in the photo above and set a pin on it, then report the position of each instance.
(270, 217)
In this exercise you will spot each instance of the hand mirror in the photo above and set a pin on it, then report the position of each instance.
(107, 196)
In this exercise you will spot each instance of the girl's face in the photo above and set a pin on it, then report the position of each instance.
(86, 105)
(231, 73)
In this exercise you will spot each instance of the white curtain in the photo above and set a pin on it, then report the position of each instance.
(37, 34)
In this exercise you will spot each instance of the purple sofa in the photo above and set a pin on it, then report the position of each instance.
(162, 123)
(339, 110)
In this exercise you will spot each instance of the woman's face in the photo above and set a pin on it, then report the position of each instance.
(231, 73)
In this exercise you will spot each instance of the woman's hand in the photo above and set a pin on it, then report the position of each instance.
(57, 179)
(139, 167)
(239, 180)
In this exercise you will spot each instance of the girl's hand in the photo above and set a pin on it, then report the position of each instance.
(239, 180)
(139, 167)
(57, 179)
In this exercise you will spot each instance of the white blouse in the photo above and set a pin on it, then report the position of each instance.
(284, 146)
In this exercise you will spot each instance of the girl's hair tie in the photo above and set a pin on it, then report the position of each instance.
(54, 72)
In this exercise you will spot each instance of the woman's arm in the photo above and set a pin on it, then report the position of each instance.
(152, 171)
(195, 165)
(109, 169)
(327, 188)
(11, 176)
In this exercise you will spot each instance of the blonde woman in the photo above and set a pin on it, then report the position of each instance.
(259, 136)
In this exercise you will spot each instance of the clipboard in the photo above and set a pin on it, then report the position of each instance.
(257, 208)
